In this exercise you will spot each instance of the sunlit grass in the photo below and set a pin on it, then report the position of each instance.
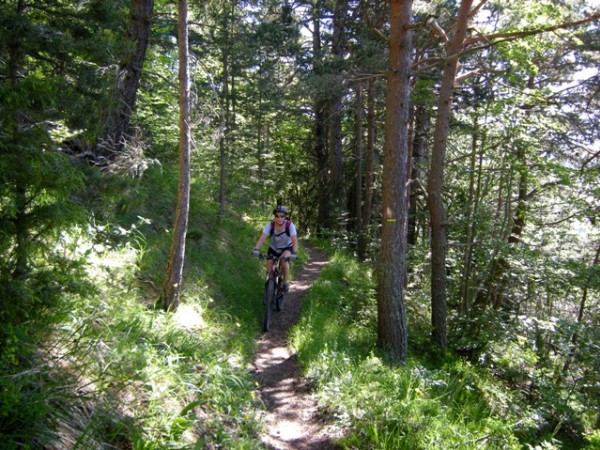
(385, 406)
(121, 373)
(172, 379)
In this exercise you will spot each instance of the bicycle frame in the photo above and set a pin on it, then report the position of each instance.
(274, 295)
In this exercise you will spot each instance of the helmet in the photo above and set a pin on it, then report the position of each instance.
(280, 209)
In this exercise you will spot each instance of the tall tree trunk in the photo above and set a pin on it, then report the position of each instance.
(232, 99)
(498, 281)
(225, 132)
(260, 126)
(358, 158)
(419, 152)
(129, 74)
(471, 212)
(320, 128)
(174, 277)
(436, 180)
(223, 137)
(391, 310)
(369, 171)
(21, 227)
(584, 296)
(338, 49)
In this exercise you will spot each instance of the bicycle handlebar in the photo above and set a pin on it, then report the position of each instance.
(277, 258)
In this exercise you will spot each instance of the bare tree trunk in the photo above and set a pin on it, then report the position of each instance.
(471, 213)
(174, 277)
(498, 282)
(419, 152)
(391, 311)
(128, 77)
(436, 180)
(260, 128)
(225, 129)
(338, 49)
(320, 129)
(358, 158)
(584, 296)
(21, 227)
(232, 97)
(369, 171)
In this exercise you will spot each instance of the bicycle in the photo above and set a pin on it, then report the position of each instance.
(274, 295)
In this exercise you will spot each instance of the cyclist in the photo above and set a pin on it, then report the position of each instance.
(284, 241)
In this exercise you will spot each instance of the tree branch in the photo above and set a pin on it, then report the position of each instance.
(525, 33)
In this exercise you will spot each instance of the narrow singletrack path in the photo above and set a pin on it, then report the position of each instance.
(292, 419)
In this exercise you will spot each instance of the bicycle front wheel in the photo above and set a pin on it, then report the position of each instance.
(279, 297)
(269, 297)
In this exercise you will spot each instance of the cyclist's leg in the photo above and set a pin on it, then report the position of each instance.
(271, 252)
(285, 266)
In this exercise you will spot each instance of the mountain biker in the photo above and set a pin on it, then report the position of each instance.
(284, 241)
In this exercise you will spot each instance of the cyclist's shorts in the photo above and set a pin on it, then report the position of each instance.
(278, 252)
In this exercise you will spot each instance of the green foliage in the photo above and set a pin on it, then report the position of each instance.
(347, 288)
(100, 361)
(30, 309)
(122, 373)
(506, 396)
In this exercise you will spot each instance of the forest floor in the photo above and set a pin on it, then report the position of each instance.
(292, 418)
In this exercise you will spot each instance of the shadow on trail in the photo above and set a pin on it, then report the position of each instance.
(292, 418)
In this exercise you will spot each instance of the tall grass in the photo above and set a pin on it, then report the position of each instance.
(415, 406)
(143, 378)
(118, 372)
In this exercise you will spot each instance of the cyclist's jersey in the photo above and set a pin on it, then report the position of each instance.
(280, 241)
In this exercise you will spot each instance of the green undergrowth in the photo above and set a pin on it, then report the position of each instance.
(119, 372)
(434, 401)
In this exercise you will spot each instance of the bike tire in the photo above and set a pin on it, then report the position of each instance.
(279, 298)
(269, 294)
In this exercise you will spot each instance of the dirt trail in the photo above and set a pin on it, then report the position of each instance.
(292, 419)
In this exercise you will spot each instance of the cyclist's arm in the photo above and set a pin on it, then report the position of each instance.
(294, 236)
(261, 240)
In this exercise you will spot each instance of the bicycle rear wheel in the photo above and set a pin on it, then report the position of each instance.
(269, 297)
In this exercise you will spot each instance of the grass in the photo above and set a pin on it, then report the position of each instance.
(173, 378)
(119, 373)
(448, 404)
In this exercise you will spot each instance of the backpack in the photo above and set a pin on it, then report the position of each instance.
(287, 228)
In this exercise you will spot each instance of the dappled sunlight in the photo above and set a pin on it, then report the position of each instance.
(288, 430)
(190, 316)
(292, 419)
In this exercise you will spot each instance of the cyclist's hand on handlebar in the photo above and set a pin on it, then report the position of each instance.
(293, 256)
(255, 252)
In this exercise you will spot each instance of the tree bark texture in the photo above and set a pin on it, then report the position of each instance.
(129, 74)
(392, 324)
(338, 49)
(172, 288)
(419, 153)
(320, 129)
(226, 101)
(437, 213)
(582, 304)
(358, 158)
(369, 171)
(20, 221)
(473, 194)
(498, 282)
